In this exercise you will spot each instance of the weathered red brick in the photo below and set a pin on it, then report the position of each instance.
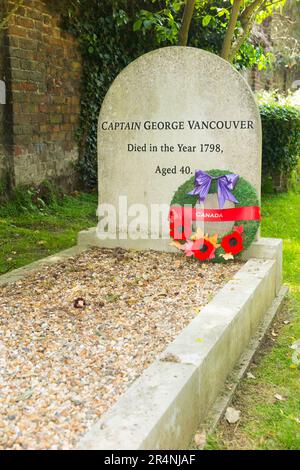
(17, 31)
(45, 70)
(25, 22)
(28, 44)
(23, 86)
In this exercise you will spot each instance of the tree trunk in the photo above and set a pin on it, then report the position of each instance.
(225, 52)
(186, 22)
(247, 19)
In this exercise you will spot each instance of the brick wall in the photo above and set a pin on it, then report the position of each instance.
(2, 134)
(2, 154)
(44, 95)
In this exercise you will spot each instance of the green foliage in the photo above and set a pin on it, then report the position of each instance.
(28, 235)
(281, 138)
(5, 188)
(250, 55)
(165, 23)
(243, 191)
(207, 30)
(33, 198)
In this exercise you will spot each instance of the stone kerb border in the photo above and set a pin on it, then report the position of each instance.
(162, 409)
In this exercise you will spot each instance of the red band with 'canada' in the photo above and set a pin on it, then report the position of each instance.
(185, 214)
(181, 218)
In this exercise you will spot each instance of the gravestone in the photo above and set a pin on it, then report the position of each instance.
(169, 113)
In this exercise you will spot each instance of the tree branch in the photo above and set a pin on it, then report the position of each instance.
(186, 22)
(247, 21)
(249, 10)
(226, 46)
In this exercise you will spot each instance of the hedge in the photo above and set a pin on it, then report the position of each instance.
(281, 140)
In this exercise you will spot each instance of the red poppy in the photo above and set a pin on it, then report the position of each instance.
(202, 249)
(180, 232)
(233, 243)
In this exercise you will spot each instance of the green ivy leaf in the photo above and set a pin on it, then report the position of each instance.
(147, 24)
(206, 20)
(137, 25)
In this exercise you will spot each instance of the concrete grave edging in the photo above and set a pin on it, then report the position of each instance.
(163, 407)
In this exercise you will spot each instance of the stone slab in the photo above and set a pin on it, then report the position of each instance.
(268, 248)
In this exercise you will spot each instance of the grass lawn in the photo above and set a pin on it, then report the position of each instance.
(266, 423)
(26, 236)
(269, 423)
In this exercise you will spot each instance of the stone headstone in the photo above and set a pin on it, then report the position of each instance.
(169, 113)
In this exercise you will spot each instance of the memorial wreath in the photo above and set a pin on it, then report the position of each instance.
(186, 213)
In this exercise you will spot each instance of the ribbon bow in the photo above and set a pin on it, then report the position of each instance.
(225, 184)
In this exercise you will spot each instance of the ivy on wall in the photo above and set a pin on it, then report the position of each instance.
(108, 43)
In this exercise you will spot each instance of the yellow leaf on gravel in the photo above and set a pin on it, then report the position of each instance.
(227, 256)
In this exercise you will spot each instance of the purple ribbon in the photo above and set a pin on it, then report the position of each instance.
(225, 184)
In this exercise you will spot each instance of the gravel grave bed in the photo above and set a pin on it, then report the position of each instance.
(75, 335)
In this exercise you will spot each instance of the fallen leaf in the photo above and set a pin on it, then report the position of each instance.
(232, 415)
(200, 440)
(250, 376)
(296, 358)
(112, 297)
(79, 303)
(274, 334)
(199, 340)
(170, 358)
(296, 346)
(227, 256)
(279, 397)
(25, 395)
(132, 301)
